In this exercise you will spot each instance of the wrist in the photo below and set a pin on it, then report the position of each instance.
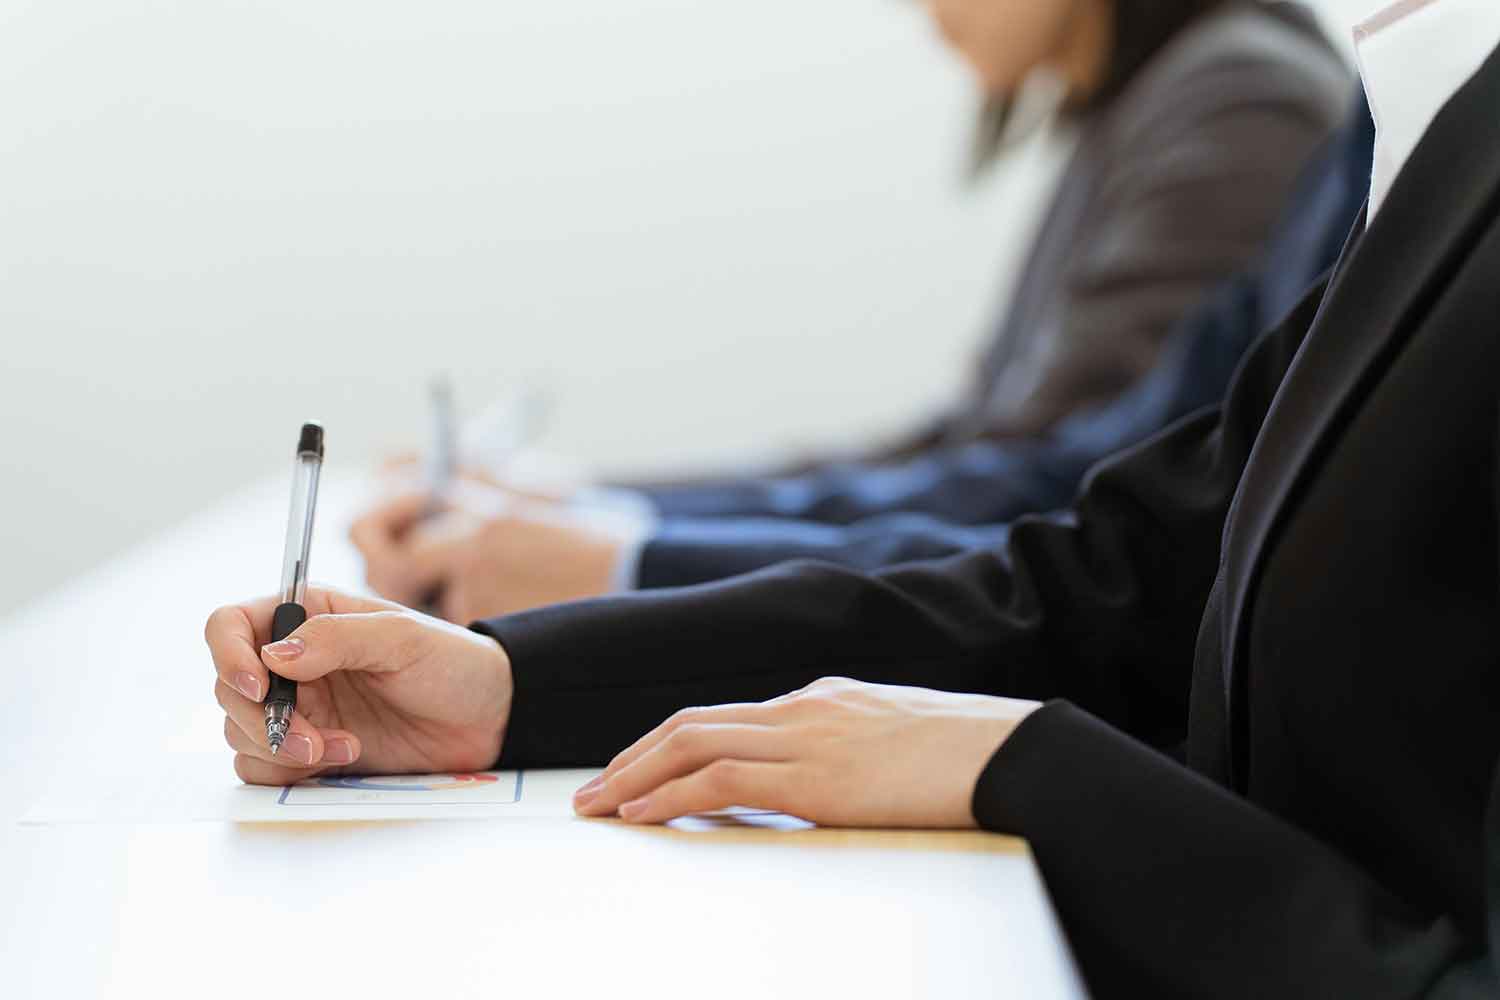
(502, 677)
(498, 687)
(991, 731)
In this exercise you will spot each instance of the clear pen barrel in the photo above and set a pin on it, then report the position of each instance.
(299, 527)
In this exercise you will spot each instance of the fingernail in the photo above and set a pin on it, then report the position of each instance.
(338, 752)
(286, 649)
(298, 747)
(632, 811)
(588, 794)
(247, 684)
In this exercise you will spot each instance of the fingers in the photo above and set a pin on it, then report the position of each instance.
(234, 635)
(378, 535)
(724, 783)
(377, 530)
(340, 747)
(434, 550)
(320, 600)
(305, 745)
(410, 551)
(372, 641)
(686, 750)
(748, 712)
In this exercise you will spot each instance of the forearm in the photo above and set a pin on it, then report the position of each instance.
(1064, 609)
(1100, 605)
(593, 676)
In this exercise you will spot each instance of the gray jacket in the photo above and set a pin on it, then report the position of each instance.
(1173, 187)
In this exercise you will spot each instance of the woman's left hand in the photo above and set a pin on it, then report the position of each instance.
(838, 752)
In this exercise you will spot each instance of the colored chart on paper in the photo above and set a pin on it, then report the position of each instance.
(479, 788)
(196, 787)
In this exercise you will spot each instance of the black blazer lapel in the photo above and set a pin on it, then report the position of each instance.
(1442, 199)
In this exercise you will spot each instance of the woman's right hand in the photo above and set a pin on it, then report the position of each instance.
(380, 689)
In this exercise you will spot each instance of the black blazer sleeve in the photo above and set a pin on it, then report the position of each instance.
(1099, 605)
(1159, 876)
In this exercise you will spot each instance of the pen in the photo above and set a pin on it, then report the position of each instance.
(442, 454)
(442, 465)
(281, 700)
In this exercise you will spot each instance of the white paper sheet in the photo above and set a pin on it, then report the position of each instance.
(201, 787)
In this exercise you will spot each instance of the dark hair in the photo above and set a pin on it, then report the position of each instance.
(1141, 28)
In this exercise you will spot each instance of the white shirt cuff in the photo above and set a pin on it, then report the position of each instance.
(632, 518)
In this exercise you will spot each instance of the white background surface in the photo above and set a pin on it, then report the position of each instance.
(220, 217)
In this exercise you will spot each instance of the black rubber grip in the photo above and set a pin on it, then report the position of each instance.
(285, 620)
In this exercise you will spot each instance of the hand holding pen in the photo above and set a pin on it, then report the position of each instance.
(381, 689)
(313, 679)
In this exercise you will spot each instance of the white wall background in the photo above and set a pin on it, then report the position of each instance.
(218, 217)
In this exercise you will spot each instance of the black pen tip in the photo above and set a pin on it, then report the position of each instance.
(311, 440)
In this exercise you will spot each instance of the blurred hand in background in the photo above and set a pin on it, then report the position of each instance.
(490, 550)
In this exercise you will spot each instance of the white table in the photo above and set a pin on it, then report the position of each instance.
(113, 668)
